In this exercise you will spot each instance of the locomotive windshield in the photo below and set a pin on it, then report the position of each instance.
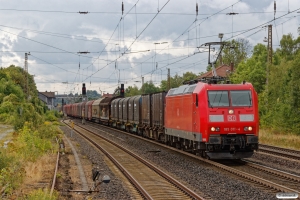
(218, 99)
(237, 97)
(241, 98)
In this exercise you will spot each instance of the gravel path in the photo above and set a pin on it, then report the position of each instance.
(113, 190)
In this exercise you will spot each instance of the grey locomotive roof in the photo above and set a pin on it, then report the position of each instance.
(184, 89)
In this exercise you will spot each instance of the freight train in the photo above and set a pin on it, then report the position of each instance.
(217, 121)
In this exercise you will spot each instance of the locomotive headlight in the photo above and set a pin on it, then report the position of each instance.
(230, 111)
(213, 129)
(248, 128)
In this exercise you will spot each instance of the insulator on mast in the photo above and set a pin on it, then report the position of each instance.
(122, 7)
(196, 9)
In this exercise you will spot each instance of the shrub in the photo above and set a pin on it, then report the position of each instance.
(31, 144)
(50, 116)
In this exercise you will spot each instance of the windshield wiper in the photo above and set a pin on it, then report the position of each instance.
(250, 99)
(220, 98)
(209, 105)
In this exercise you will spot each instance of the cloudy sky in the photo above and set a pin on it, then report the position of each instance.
(147, 39)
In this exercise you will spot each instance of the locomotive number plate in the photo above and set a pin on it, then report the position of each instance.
(231, 118)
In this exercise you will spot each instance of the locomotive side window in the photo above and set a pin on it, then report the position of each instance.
(218, 98)
(241, 98)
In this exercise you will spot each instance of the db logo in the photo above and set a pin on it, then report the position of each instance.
(231, 118)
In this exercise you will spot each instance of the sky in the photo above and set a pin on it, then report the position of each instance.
(93, 42)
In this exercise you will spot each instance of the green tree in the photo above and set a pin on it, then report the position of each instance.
(132, 91)
(177, 80)
(287, 45)
(235, 51)
(253, 69)
(149, 88)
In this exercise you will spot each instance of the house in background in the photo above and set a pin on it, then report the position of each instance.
(222, 71)
(107, 95)
(48, 99)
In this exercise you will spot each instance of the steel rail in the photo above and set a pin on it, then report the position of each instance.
(176, 183)
(121, 168)
(239, 173)
(288, 153)
(54, 176)
(270, 170)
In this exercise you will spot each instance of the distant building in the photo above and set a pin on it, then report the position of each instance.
(222, 71)
(48, 98)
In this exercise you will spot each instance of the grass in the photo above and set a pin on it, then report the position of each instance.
(285, 140)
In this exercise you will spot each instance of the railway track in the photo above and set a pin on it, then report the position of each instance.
(282, 152)
(150, 181)
(271, 185)
(279, 177)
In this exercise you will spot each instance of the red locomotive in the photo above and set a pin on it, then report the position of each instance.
(216, 120)
(219, 121)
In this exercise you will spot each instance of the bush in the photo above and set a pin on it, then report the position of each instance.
(31, 144)
(11, 177)
(5, 160)
(50, 116)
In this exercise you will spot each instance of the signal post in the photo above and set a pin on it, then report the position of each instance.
(84, 99)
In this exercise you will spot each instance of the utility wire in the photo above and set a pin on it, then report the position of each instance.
(188, 29)
(144, 13)
(120, 21)
(262, 24)
(43, 43)
(132, 42)
(147, 26)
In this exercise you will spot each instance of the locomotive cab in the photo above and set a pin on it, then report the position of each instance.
(215, 120)
(232, 130)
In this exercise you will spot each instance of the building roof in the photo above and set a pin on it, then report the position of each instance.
(48, 94)
(222, 71)
(107, 95)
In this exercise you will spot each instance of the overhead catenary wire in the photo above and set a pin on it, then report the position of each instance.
(188, 28)
(168, 46)
(116, 13)
(134, 40)
(252, 28)
(263, 24)
(120, 22)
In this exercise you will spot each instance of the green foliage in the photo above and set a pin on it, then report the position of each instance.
(235, 51)
(177, 80)
(5, 160)
(31, 144)
(253, 70)
(149, 88)
(14, 109)
(11, 177)
(31, 140)
(28, 145)
(51, 116)
(132, 91)
(287, 45)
